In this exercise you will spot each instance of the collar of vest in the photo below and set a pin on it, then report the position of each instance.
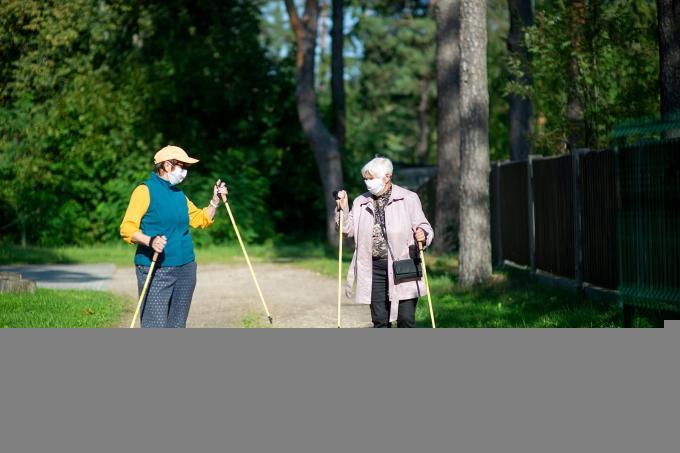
(155, 178)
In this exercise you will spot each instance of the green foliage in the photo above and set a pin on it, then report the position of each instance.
(249, 190)
(90, 90)
(398, 58)
(397, 40)
(616, 56)
(391, 8)
(497, 74)
(69, 120)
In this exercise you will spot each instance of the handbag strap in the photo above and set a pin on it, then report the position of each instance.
(381, 221)
(384, 230)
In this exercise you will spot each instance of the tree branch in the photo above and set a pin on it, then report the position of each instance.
(294, 19)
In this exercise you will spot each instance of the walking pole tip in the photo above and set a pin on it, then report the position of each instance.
(271, 320)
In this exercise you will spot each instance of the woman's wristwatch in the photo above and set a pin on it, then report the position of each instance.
(214, 205)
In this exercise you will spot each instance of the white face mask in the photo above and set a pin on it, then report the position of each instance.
(177, 175)
(375, 185)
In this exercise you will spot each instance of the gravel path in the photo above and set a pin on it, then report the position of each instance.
(226, 297)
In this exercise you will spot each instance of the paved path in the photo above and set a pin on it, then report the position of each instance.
(67, 276)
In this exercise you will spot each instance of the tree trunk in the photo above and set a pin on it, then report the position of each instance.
(423, 122)
(22, 225)
(575, 108)
(474, 232)
(338, 72)
(668, 12)
(11, 282)
(447, 16)
(323, 36)
(521, 109)
(323, 144)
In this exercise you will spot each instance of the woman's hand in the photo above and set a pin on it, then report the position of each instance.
(420, 235)
(158, 243)
(341, 199)
(219, 189)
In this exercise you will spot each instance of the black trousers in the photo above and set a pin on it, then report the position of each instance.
(380, 302)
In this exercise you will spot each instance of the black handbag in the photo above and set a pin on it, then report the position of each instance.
(406, 270)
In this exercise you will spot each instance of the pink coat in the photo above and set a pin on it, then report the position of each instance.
(403, 214)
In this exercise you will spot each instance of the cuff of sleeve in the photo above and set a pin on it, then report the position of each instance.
(128, 237)
(428, 239)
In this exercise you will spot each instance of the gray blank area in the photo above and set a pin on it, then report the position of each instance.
(216, 390)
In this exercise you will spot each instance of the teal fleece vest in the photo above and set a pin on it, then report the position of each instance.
(168, 215)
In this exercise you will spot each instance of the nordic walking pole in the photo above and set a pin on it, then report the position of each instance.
(427, 283)
(342, 218)
(146, 286)
(245, 254)
(340, 265)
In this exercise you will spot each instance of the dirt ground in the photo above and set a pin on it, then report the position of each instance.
(225, 296)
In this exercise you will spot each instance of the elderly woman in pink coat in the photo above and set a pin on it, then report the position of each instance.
(385, 223)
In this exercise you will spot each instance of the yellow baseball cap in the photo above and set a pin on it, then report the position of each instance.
(173, 153)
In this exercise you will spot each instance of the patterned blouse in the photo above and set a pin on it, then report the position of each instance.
(379, 242)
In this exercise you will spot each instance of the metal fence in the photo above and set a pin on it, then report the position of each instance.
(553, 194)
(609, 218)
(514, 212)
(599, 253)
(649, 225)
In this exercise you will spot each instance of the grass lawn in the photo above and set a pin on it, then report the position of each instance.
(120, 254)
(60, 308)
(512, 299)
(313, 255)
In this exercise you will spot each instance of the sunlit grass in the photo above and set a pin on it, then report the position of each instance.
(253, 320)
(61, 309)
(119, 254)
(122, 254)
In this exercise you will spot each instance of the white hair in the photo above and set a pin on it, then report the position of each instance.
(377, 168)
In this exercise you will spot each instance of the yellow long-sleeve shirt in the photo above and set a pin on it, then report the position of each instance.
(139, 204)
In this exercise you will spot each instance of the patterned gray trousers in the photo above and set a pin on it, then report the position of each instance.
(169, 295)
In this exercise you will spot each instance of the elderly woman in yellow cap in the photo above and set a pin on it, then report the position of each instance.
(157, 220)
